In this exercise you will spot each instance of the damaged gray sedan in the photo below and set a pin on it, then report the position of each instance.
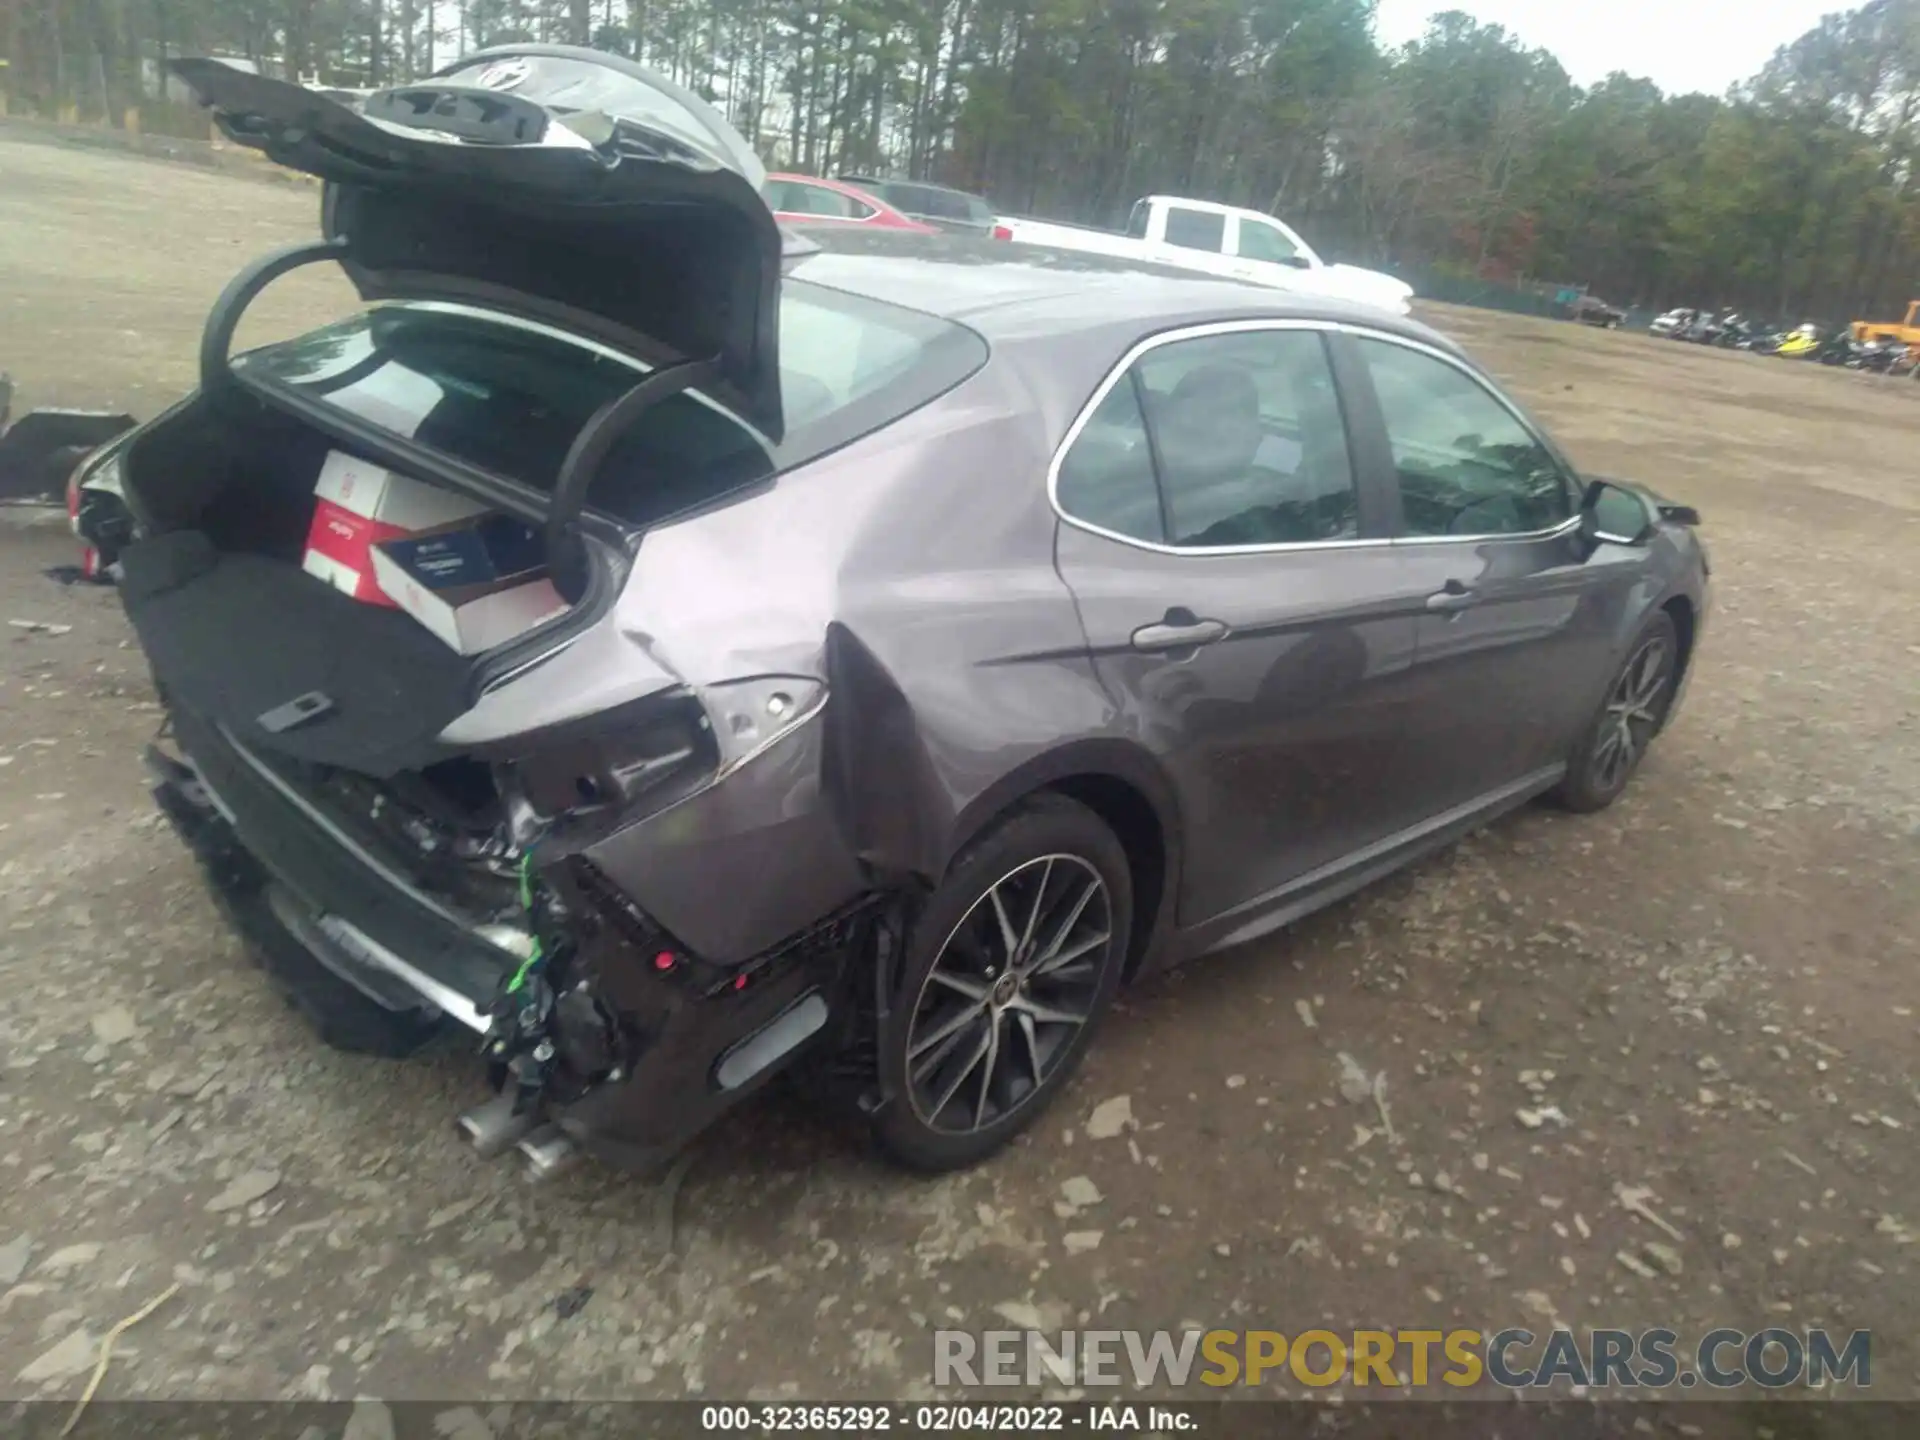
(919, 639)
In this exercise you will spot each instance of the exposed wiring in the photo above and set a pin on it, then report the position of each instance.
(526, 904)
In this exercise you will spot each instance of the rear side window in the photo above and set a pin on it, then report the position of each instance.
(1106, 478)
(942, 204)
(1214, 442)
(510, 398)
(1252, 443)
(790, 197)
(1196, 229)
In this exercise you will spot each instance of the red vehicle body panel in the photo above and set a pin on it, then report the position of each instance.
(884, 216)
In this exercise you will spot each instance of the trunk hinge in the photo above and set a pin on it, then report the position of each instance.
(216, 340)
(566, 560)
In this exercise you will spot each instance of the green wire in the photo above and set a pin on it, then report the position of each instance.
(526, 903)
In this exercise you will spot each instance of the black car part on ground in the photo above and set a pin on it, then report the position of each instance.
(40, 451)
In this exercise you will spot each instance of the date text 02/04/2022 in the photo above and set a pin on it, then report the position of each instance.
(939, 1419)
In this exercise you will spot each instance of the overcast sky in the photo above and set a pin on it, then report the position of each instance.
(1680, 45)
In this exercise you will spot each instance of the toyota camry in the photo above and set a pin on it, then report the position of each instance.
(677, 650)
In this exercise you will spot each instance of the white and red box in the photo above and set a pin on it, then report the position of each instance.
(357, 504)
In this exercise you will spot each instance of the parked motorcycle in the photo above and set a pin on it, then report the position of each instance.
(1736, 332)
(1799, 343)
(1838, 348)
(1878, 357)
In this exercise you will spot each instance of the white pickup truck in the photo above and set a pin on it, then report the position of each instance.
(1221, 240)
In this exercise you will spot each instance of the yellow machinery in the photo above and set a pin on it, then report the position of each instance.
(1906, 332)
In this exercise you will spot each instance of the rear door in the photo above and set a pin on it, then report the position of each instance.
(1190, 237)
(1517, 623)
(797, 197)
(1229, 568)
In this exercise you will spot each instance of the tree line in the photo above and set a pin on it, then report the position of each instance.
(1464, 154)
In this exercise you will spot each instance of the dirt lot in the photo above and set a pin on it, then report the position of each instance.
(1717, 983)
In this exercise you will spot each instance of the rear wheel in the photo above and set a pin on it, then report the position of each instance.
(1011, 966)
(1630, 716)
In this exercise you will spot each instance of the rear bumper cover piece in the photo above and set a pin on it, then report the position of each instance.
(693, 1048)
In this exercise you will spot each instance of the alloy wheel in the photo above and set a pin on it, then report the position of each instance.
(1632, 713)
(1013, 986)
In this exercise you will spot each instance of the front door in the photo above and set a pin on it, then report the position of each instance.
(1228, 574)
(1518, 621)
(1266, 252)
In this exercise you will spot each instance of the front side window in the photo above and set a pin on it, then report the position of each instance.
(1265, 242)
(1137, 219)
(1465, 462)
(1196, 229)
(1249, 441)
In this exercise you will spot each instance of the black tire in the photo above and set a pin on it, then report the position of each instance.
(1051, 875)
(1630, 714)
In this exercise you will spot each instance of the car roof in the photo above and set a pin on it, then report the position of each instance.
(852, 179)
(843, 187)
(1010, 291)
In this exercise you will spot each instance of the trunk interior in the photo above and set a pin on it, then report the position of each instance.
(234, 627)
(238, 631)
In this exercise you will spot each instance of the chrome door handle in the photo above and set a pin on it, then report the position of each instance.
(1184, 636)
(1453, 596)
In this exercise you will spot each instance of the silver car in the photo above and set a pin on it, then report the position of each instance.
(947, 632)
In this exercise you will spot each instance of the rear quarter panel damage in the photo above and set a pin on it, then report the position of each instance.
(912, 572)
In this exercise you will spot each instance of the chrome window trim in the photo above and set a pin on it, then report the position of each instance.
(1240, 327)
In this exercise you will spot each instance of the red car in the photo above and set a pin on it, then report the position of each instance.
(807, 197)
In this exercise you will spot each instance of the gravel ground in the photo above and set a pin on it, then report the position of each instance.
(1714, 983)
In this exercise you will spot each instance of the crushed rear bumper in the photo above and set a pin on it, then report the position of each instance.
(692, 1040)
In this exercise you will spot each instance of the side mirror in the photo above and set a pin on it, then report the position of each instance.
(1298, 262)
(1614, 515)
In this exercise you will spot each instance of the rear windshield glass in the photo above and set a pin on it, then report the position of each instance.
(510, 398)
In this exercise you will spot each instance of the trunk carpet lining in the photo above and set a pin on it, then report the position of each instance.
(233, 636)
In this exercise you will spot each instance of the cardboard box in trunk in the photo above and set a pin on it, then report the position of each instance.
(475, 583)
(357, 505)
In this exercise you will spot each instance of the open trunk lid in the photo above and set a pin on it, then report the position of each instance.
(558, 185)
(567, 184)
